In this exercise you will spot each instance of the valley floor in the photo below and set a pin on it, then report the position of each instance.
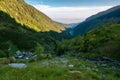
(62, 69)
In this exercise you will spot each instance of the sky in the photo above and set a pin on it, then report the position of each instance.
(72, 11)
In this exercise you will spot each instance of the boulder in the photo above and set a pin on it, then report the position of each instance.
(18, 65)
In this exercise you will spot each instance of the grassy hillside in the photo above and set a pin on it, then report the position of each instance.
(29, 16)
(103, 41)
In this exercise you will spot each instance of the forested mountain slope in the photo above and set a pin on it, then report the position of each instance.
(29, 16)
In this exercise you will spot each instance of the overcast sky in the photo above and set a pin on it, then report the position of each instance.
(72, 11)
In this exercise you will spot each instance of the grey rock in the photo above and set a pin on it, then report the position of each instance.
(75, 72)
(18, 65)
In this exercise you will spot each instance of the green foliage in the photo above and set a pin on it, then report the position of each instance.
(12, 48)
(8, 50)
(49, 56)
(39, 50)
(105, 39)
(2, 53)
(70, 46)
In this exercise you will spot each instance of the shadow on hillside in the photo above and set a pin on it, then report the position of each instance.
(22, 36)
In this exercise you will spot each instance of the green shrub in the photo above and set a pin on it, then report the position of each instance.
(12, 59)
(49, 56)
(39, 50)
(2, 54)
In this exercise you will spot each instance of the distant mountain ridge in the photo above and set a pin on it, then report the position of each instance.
(29, 16)
(103, 13)
(111, 15)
